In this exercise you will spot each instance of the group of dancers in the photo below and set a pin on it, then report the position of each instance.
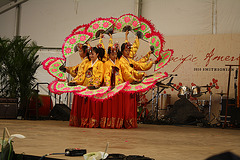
(107, 67)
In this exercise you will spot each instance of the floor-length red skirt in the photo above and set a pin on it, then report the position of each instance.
(119, 111)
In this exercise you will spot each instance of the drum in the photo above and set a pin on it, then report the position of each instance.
(44, 104)
(184, 92)
(196, 91)
(163, 102)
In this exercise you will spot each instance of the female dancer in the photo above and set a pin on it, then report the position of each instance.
(92, 74)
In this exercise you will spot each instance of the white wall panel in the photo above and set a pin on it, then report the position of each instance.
(228, 16)
(49, 22)
(7, 24)
(184, 17)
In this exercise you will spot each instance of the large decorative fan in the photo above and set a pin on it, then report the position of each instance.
(156, 39)
(93, 92)
(126, 21)
(146, 28)
(165, 55)
(154, 77)
(72, 40)
(46, 62)
(112, 92)
(51, 88)
(63, 87)
(80, 28)
(53, 69)
(98, 26)
(141, 87)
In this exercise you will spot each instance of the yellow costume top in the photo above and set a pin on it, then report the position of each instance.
(134, 48)
(92, 74)
(125, 61)
(121, 74)
(73, 71)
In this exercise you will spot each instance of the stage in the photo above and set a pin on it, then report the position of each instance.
(168, 142)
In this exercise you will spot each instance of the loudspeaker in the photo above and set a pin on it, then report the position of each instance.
(8, 108)
(60, 112)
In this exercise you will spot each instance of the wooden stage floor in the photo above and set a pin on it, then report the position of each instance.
(161, 142)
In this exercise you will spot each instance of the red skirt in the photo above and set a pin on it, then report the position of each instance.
(118, 112)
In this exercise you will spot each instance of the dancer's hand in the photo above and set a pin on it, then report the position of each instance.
(110, 35)
(101, 35)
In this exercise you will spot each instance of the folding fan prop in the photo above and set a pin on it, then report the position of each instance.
(126, 22)
(165, 55)
(80, 28)
(155, 77)
(100, 25)
(53, 69)
(146, 28)
(112, 92)
(51, 88)
(72, 40)
(156, 40)
(63, 87)
(93, 92)
(141, 87)
(46, 62)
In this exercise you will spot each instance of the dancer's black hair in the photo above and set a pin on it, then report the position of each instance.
(99, 51)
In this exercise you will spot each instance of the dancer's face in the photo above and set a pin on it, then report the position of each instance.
(93, 56)
(81, 53)
(113, 56)
(126, 52)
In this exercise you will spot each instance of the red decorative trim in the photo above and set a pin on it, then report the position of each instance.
(126, 84)
(48, 70)
(78, 27)
(83, 95)
(142, 90)
(51, 89)
(160, 36)
(165, 75)
(65, 40)
(55, 88)
(167, 61)
(46, 60)
(148, 22)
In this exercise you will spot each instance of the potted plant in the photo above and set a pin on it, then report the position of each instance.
(19, 63)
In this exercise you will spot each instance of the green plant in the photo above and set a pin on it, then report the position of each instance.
(18, 67)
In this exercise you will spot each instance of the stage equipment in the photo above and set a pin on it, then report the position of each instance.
(75, 152)
(8, 107)
(229, 78)
(184, 92)
(184, 112)
(40, 106)
(196, 91)
(164, 102)
(60, 112)
(160, 86)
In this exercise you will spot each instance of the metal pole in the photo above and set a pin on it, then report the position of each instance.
(229, 77)
(214, 16)
(17, 20)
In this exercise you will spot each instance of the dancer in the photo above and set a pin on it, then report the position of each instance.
(92, 74)
(115, 72)
(73, 71)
